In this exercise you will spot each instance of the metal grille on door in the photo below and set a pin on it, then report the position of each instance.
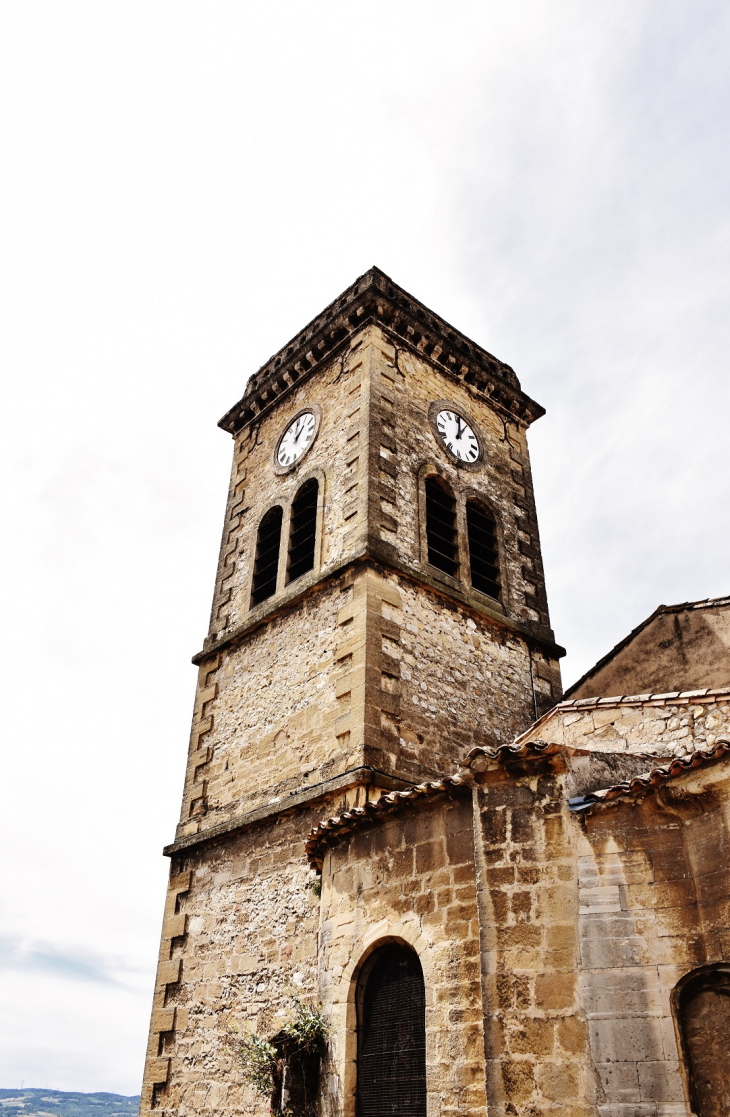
(392, 1037)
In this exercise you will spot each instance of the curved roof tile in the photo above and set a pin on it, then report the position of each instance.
(332, 830)
(643, 785)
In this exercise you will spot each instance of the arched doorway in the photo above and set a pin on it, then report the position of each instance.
(391, 1034)
(703, 1003)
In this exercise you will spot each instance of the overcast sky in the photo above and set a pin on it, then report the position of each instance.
(184, 185)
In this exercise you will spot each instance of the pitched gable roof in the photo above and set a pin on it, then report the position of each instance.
(685, 607)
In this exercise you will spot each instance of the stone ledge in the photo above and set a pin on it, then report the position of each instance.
(375, 553)
(354, 778)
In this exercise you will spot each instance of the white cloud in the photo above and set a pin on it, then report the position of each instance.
(74, 964)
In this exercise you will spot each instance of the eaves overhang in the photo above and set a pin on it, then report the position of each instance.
(641, 786)
(331, 831)
(480, 758)
(375, 298)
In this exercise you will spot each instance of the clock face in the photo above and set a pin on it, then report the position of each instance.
(297, 438)
(457, 436)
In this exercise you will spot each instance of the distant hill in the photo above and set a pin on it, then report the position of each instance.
(61, 1103)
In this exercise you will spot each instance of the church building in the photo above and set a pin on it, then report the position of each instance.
(498, 899)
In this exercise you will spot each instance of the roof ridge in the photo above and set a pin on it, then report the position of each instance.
(661, 610)
(703, 603)
(663, 697)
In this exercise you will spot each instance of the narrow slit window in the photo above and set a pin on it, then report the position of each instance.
(483, 553)
(391, 1063)
(266, 563)
(303, 531)
(441, 536)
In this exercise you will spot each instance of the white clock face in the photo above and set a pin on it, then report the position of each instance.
(297, 438)
(457, 436)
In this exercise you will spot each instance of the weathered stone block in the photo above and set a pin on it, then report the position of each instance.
(627, 1039)
(532, 1037)
(620, 1081)
(554, 992)
(519, 1080)
(559, 1082)
(660, 1081)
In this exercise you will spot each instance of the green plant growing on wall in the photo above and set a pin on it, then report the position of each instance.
(258, 1058)
(308, 1029)
(285, 1068)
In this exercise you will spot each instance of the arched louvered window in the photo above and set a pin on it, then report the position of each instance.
(303, 531)
(391, 1049)
(483, 553)
(703, 1003)
(441, 536)
(266, 563)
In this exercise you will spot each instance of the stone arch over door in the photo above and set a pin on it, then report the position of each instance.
(344, 1007)
(391, 1034)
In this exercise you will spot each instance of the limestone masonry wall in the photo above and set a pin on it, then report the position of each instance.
(272, 714)
(244, 940)
(662, 726)
(410, 880)
(681, 647)
(339, 392)
(536, 1027)
(460, 680)
(402, 441)
(654, 904)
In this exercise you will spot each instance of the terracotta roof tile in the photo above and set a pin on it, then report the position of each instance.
(331, 830)
(518, 751)
(334, 829)
(643, 785)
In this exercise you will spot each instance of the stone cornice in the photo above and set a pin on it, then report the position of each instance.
(374, 297)
(301, 797)
(325, 577)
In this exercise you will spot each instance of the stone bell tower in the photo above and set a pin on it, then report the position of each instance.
(379, 609)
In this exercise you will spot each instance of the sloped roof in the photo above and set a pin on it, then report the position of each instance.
(332, 830)
(581, 705)
(646, 784)
(682, 607)
(529, 747)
